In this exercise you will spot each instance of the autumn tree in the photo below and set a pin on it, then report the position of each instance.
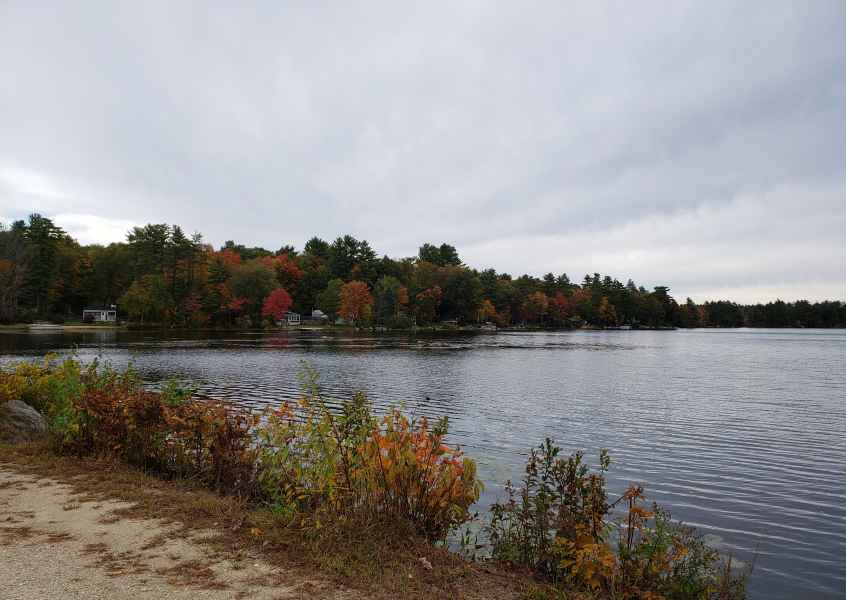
(607, 313)
(487, 311)
(426, 305)
(536, 307)
(277, 303)
(356, 302)
(559, 309)
(288, 272)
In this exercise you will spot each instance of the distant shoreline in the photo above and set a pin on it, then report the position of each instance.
(80, 327)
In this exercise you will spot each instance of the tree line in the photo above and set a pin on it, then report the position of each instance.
(160, 275)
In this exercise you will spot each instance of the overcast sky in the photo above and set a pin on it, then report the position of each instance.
(698, 145)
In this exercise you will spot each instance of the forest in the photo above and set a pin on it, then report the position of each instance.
(161, 276)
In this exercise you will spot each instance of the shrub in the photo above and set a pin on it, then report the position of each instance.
(213, 442)
(311, 464)
(48, 386)
(313, 460)
(97, 410)
(305, 460)
(409, 473)
(559, 524)
(11, 386)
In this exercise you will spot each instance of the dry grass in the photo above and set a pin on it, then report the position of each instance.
(14, 535)
(379, 559)
(193, 573)
(115, 564)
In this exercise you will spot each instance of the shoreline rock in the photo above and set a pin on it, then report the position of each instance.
(19, 422)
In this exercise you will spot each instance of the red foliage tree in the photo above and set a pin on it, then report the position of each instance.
(229, 258)
(287, 271)
(427, 305)
(277, 303)
(237, 304)
(559, 309)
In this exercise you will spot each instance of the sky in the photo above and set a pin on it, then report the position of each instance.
(699, 145)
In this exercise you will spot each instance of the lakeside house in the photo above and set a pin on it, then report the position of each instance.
(318, 316)
(290, 318)
(100, 314)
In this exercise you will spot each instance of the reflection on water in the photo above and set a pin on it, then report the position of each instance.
(738, 432)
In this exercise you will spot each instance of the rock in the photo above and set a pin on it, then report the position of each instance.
(19, 422)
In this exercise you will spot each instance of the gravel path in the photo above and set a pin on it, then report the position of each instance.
(54, 547)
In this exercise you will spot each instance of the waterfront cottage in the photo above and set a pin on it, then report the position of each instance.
(290, 318)
(100, 314)
(319, 316)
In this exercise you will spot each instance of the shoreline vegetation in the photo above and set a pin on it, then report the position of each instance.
(162, 276)
(369, 500)
(324, 327)
(346, 327)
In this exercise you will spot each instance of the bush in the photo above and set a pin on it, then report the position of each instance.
(313, 460)
(559, 525)
(97, 410)
(39, 384)
(312, 465)
(409, 473)
(304, 460)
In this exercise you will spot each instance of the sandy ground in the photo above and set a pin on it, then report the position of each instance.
(54, 547)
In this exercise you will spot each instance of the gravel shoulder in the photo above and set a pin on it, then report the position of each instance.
(56, 545)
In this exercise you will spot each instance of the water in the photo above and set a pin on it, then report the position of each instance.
(738, 432)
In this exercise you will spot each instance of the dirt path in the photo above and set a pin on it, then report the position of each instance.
(55, 547)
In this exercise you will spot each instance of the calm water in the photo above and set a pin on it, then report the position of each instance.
(738, 432)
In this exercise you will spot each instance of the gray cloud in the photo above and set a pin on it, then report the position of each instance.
(694, 144)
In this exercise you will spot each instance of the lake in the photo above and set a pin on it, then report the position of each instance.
(741, 433)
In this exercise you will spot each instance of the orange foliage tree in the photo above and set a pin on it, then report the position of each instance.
(487, 311)
(607, 312)
(536, 307)
(356, 301)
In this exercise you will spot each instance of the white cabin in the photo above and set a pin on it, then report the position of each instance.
(100, 315)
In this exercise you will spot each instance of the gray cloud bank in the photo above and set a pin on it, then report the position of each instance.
(699, 145)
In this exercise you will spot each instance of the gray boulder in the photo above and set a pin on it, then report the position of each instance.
(19, 422)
